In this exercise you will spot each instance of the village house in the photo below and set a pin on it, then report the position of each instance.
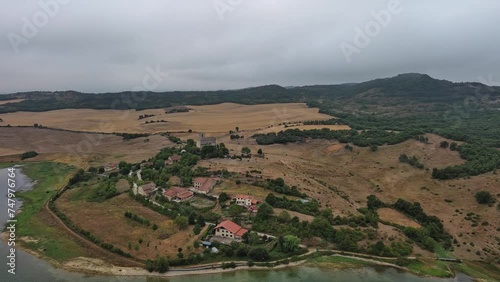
(147, 164)
(231, 230)
(206, 141)
(204, 184)
(245, 200)
(173, 159)
(147, 189)
(110, 166)
(178, 194)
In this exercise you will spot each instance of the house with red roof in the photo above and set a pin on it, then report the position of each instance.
(183, 196)
(178, 194)
(231, 230)
(204, 184)
(173, 159)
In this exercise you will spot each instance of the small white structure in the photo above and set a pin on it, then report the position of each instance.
(245, 200)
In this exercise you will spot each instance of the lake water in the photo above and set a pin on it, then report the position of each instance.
(30, 268)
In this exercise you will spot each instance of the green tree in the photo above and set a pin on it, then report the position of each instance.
(484, 197)
(264, 212)
(197, 229)
(260, 152)
(284, 217)
(181, 221)
(235, 210)
(253, 238)
(444, 144)
(29, 154)
(246, 151)
(223, 197)
(162, 265)
(290, 243)
(259, 254)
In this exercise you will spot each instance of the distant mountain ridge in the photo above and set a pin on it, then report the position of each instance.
(376, 96)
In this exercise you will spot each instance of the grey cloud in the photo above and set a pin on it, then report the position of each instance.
(102, 46)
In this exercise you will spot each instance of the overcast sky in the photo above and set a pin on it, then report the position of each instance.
(104, 46)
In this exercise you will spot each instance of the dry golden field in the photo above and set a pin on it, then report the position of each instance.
(341, 180)
(107, 221)
(11, 101)
(338, 178)
(77, 148)
(210, 118)
(393, 216)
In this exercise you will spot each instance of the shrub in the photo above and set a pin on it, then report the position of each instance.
(484, 197)
(29, 154)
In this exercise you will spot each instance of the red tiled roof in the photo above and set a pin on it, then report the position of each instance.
(172, 192)
(200, 180)
(207, 185)
(185, 195)
(175, 157)
(232, 227)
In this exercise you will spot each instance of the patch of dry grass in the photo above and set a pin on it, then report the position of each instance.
(209, 118)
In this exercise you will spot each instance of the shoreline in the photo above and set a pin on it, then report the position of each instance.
(98, 267)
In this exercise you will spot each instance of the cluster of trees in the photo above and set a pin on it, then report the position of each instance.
(29, 154)
(80, 175)
(104, 191)
(160, 173)
(413, 161)
(278, 185)
(422, 138)
(432, 227)
(333, 121)
(160, 265)
(145, 116)
(139, 219)
(218, 151)
(182, 214)
(93, 169)
(310, 207)
(124, 167)
(364, 138)
(180, 109)
(429, 235)
(174, 139)
(129, 136)
(154, 121)
(236, 136)
(479, 159)
(396, 249)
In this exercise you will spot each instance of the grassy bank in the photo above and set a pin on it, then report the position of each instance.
(434, 268)
(36, 229)
(338, 262)
(479, 270)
